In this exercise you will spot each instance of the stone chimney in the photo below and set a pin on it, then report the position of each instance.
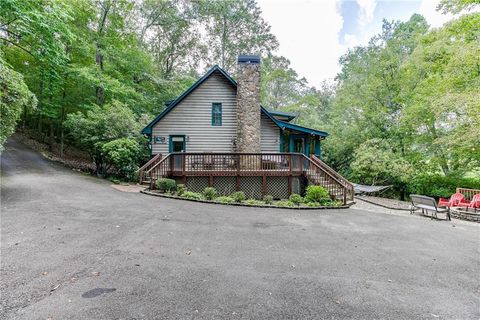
(248, 104)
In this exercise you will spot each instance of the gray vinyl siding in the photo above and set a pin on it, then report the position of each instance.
(270, 135)
(193, 117)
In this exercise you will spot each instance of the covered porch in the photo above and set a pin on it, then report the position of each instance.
(297, 139)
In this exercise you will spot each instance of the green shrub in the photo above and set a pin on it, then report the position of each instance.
(238, 196)
(332, 203)
(224, 199)
(181, 189)
(254, 202)
(296, 199)
(192, 195)
(316, 194)
(436, 185)
(123, 154)
(166, 185)
(210, 193)
(268, 199)
(284, 203)
(313, 204)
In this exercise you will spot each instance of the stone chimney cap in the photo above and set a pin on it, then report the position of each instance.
(248, 59)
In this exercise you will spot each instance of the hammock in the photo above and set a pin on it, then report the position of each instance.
(360, 188)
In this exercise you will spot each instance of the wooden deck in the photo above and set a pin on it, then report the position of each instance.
(184, 165)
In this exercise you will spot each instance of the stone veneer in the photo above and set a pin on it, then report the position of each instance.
(248, 107)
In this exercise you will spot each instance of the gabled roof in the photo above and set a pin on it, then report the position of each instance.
(171, 105)
(281, 124)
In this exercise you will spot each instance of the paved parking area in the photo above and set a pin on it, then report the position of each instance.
(73, 247)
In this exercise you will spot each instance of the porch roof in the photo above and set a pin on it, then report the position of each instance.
(290, 126)
(288, 115)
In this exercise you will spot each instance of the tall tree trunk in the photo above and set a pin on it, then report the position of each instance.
(224, 42)
(40, 104)
(106, 5)
(440, 155)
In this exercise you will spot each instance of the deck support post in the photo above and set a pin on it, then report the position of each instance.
(238, 173)
(264, 185)
(290, 164)
(289, 185)
(210, 181)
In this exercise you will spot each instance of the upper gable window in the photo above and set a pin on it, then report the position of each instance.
(216, 114)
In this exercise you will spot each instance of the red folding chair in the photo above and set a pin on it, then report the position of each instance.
(454, 200)
(473, 204)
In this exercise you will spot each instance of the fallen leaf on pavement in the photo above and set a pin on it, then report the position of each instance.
(188, 252)
(54, 288)
(95, 273)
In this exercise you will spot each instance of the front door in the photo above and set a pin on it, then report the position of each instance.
(298, 144)
(177, 144)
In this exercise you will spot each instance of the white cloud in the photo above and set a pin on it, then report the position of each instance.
(428, 8)
(351, 40)
(308, 35)
(367, 10)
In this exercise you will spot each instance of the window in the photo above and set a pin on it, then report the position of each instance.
(216, 114)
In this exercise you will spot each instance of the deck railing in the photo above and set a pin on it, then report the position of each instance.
(227, 164)
(468, 193)
(249, 164)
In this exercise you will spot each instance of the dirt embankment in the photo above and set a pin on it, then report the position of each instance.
(72, 157)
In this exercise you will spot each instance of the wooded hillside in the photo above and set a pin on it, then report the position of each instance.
(404, 109)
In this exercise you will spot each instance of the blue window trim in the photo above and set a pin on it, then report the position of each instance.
(215, 107)
(170, 140)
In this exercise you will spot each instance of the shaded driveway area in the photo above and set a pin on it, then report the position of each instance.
(73, 247)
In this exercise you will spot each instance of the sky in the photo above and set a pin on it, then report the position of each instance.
(314, 34)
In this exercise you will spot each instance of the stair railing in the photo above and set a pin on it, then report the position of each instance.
(160, 169)
(147, 166)
(325, 176)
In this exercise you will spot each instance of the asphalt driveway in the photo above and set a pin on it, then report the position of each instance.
(72, 247)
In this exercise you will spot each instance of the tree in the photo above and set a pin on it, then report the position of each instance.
(376, 163)
(123, 154)
(442, 81)
(37, 48)
(370, 98)
(99, 126)
(456, 6)
(234, 27)
(169, 32)
(14, 96)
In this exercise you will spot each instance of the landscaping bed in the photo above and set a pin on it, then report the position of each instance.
(316, 197)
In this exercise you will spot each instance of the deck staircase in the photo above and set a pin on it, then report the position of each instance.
(313, 169)
(319, 173)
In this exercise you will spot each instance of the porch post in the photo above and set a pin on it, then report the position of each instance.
(282, 141)
(318, 150)
(306, 147)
